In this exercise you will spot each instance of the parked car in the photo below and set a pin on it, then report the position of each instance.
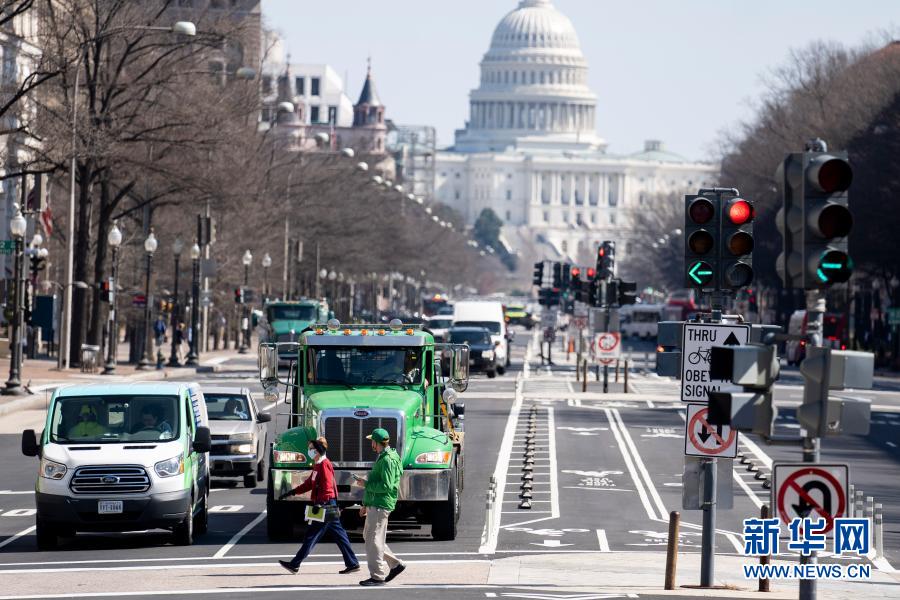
(482, 349)
(439, 326)
(239, 432)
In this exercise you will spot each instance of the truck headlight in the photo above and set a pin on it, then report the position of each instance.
(52, 470)
(433, 458)
(170, 467)
(244, 449)
(289, 456)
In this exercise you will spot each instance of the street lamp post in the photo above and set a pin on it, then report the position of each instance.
(114, 239)
(192, 358)
(247, 260)
(266, 263)
(150, 245)
(17, 227)
(177, 247)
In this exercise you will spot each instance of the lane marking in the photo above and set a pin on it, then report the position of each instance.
(629, 465)
(554, 482)
(640, 464)
(237, 537)
(13, 538)
(11, 492)
(226, 508)
(500, 472)
(601, 539)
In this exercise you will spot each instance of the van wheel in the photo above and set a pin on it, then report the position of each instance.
(250, 480)
(184, 531)
(501, 369)
(491, 373)
(47, 537)
(446, 513)
(279, 526)
(201, 519)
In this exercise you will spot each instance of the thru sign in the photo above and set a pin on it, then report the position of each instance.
(697, 341)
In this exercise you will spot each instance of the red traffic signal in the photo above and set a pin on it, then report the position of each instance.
(591, 272)
(740, 211)
(575, 272)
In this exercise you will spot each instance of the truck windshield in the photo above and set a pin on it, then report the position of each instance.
(492, 326)
(292, 313)
(356, 365)
(114, 419)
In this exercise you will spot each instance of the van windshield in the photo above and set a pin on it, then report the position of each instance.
(492, 326)
(114, 419)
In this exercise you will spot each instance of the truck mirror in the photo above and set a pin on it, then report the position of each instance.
(459, 376)
(268, 365)
(30, 446)
(449, 396)
(202, 440)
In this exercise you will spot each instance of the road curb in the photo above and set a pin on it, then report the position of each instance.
(32, 402)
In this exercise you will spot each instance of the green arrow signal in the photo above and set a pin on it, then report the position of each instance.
(700, 272)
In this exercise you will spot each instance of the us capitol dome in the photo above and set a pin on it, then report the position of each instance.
(530, 151)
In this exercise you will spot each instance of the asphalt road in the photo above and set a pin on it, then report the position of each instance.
(606, 474)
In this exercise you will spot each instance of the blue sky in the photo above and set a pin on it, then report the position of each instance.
(676, 70)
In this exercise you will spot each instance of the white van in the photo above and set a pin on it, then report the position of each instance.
(487, 314)
(122, 457)
(641, 320)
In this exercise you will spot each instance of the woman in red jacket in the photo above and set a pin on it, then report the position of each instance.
(324, 493)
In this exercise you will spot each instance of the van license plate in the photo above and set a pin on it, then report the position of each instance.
(109, 507)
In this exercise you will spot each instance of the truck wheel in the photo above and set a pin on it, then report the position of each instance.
(184, 531)
(47, 538)
(491, 373)
(201, 519)
(501, 369)
(446, 514)
(250, 480)
(261, 471)
(278, 522)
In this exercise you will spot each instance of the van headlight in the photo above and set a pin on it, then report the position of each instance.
(289, 456)
(170, 467)
(52, 470)
(488, 354)
(433, 458)
(244, 449)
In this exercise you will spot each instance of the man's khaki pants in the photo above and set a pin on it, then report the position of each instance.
(380, 558)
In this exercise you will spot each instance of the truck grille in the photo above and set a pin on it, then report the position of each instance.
(347, 437)
(114, 479)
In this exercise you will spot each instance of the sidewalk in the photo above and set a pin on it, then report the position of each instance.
(41, 376)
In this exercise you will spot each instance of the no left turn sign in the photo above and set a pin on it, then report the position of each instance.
(810, 490)
(703, 439)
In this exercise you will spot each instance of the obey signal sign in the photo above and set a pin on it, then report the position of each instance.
(703, 439)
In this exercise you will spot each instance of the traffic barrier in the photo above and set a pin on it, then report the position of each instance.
(626, 376)
(858, 504)
(851, 495)
(764, 560)
(672, 549)
(879, 531)
(584, 377)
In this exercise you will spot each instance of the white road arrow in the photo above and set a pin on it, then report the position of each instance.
(550, 544)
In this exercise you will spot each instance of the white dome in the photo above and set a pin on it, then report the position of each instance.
(535, 24)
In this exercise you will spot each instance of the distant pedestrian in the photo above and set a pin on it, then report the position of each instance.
(382, 490)
(159, 329)
(178, 338)
(323, 496)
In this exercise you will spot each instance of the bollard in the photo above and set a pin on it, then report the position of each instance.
(870, 507)
(858, 504)
(605, 378)
(764, 560)
(879, 531)
(616, 380)
(626, 375)
(672, 550)
(646, 362)
(578, 368)
(851, 495)
(597, 372)
(584, 378)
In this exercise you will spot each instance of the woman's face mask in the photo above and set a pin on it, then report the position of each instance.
(312, 453)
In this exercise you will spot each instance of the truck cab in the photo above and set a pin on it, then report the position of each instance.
(346, 381)
(284, 321)
(124, 457)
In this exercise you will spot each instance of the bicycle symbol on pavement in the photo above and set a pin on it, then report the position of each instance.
(698, 355)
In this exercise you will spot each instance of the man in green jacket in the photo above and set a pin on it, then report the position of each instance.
(382, 489)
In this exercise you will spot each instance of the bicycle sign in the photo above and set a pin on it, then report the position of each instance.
(697, 342)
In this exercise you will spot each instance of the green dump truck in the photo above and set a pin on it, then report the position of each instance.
(343, 382)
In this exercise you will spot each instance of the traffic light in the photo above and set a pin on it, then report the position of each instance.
(626, 293)
(557, 275)
(239, 295)
(538, 277)
(815, 219)
(107, 293)
(611, 292)
(701, 229)
(825, 369)
(755, 368)
(736, 253)
(575, 283)
(593, 292)
(606, 257)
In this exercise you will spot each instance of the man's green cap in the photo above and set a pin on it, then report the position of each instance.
(379, 435)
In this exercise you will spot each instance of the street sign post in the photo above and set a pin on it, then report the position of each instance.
(703, 439)
(697, 340)
(693, 477)
(810, 490)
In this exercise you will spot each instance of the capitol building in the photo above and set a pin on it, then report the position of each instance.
(531, 153)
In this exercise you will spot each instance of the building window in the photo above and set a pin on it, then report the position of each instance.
(565, 247)
(266, 115)
(579, 219)
(300, 85)
(314, 86)
(612, 218)
(508, 216)
(546, 217)
(332, 114)
(314, 114)
(267, 84)
(455, 175)
(455, 197)
(594, 218)
(509, 194)
(578, 197)
(565, 217)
